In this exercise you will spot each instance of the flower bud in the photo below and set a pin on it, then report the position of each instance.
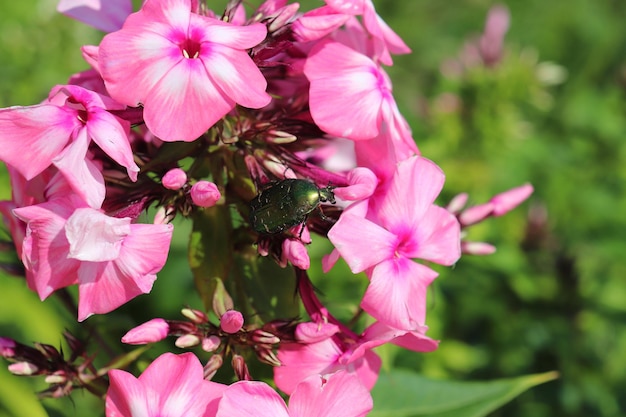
(187, 341)
(211, 343)
(23, 368)
(508, 200)
(263, 337)
(457, 203)
(174, 179)
(7, 347)
(267, 356)
(205, 194)
(231, 321)
(215, 362)
(477, 248)
(475, 214)
(194, 315)
(149, 332)
(241, 369)
(56, 378)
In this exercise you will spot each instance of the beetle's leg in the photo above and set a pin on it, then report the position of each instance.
(324, 217)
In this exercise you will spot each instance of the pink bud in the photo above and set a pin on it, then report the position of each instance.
(187, 341)
(475, 214)
(231, 321)
(194, 315)
(211, 343)
(457, 203)
(56, 378)
(7, 347)
(205, 194)
(508, 200)
(174, 179)
(23, 368)
(210, 369)
(477, 248)
(148, 332)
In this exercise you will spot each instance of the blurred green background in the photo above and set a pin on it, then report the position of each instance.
(551, 112)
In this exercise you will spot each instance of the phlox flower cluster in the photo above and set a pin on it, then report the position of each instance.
(189, 110)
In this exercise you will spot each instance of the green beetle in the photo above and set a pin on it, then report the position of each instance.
(285, 204)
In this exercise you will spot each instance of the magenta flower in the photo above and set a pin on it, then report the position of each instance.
(404, 225)
(338, 394)
(173, 386)
(187, 70)
(110, 259)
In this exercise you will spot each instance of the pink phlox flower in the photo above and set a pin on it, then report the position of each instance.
(337, 394)
(105, 15)
(339, 78)
(321, 349)
(386, 41)
(416, 340)
(187, 70)
(173, 386)
(60, 131)
(384, 236)
(110, 259)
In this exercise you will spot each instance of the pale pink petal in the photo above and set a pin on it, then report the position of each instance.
(397, 293)
(124, 57)
(338, 394)
(80, 172)
(126, 396)
(30, 137)
(415, 185)
(180, 94)
(346, 91)
(182, 389)
(237, 76)
(310, 332)
(233, 36)
(145, 249)
(361, 243)
(475, 214)
(317, 23)
(105, 15)
(94, 236)
(300, 361)
(102, 288)
(111, 134)
(438, 237)
(251, 399)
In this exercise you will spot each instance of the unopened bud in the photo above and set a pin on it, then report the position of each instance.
(56, 378)
(174, 179)
(240, 368)
(477, 248)
(205, 194)
(187, 341)
(211, 343)
(23, 368)
(457, 203)
(267, 356)
(265, 338)
(508, 200)
(215, 362)
(280, 138)
(231, 321)
(194, 315)
(475, 214)
(7, 347)
(149, 332)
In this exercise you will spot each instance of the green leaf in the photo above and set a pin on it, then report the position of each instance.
(403, 393)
